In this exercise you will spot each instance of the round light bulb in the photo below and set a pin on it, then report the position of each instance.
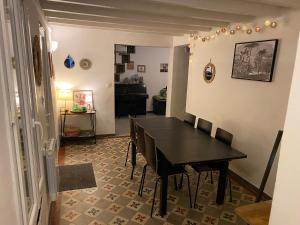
(257, 29)
(267, 23)
(238, 27)
(191, 35)
(207, 38)
(223, 29)
(244, 28)
(218, 32)
(232, 32)
(273, 24)
(249, 31)
(203, 39)
(212, 36)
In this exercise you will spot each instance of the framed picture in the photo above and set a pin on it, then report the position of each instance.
(254, 60)
(130, 65)
(164, 67)
(141, 68)
(84, 98)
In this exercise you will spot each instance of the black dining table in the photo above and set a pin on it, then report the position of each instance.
(181, 144)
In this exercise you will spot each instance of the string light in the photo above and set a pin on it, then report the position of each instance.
(257, 29)
(248, 29)
(223, 29)
(267, 23)
(273, 24)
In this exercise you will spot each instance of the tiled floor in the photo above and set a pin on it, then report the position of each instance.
(115, 200)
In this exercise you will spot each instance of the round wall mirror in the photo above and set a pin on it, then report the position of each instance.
(209, 72)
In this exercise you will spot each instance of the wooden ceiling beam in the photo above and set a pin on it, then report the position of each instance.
(148, 25)
(163, 9)
(242, 7)
(128, 28)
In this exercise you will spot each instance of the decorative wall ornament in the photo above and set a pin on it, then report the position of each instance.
(141, 68)
(69, 62)
(130, 65)
(164, 67)
(85, 64)
(254, 60)
(37, 60)
(209, 72)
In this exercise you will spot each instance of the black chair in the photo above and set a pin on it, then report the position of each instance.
(204, 126)
(140, 143)
(154, 160)
(132, 137)
(225, 137)
(190, 119)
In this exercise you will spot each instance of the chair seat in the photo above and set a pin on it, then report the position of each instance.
(203, 167)
(255, 214)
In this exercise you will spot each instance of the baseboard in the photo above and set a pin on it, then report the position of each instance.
(101, 136)
(247, 185)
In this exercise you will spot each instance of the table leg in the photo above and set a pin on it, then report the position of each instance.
(163, 195)
(133, 158)
(222, 182)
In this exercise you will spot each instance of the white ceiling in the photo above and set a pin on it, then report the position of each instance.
(172, 17)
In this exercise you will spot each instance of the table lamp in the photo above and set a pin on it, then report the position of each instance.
(65, 95)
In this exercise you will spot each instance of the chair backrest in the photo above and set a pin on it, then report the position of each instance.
(204, 126)
(190, 119)
(151, 153)
(132, 129)
(269, 166)
(140, 139)
(224, 136)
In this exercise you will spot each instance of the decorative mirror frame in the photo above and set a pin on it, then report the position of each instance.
(213, 72)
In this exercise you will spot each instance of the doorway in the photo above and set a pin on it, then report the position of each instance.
(141, 76)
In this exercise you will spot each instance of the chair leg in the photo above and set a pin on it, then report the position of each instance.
(211, 177)
(196, 193)
(175, 183)
(132, 171)
(154, 194)
(189, 187)
(230, 191)
(181, 182)
(142, 179)
(143, 183)
(127, 153)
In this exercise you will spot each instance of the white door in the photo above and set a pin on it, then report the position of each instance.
(27, 109)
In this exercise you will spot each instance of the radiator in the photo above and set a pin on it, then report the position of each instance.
(52, 169)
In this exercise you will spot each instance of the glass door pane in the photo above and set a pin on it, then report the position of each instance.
(17, 103)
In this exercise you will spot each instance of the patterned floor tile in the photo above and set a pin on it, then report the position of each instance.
(115, 208)
(71, 215)
(118, 220)
(135, 205)
(92, 200)
(93, 212)
(96, 222)
(140, 218)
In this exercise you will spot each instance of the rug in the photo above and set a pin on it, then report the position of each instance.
(79, 176)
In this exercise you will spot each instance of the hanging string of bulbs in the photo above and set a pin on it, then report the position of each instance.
(232, 31)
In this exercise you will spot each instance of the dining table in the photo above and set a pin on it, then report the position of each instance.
(181, 144)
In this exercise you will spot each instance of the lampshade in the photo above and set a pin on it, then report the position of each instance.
(64, 94)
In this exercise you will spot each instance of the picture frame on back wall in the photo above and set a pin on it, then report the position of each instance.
(83, 99)
(141, 68)
(254, 60)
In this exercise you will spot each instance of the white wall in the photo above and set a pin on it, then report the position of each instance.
(151, 57)
(98, 46)
(253, 111)
(285, 206)
(179, 82)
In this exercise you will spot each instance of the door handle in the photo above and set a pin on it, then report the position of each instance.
(39, 124)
